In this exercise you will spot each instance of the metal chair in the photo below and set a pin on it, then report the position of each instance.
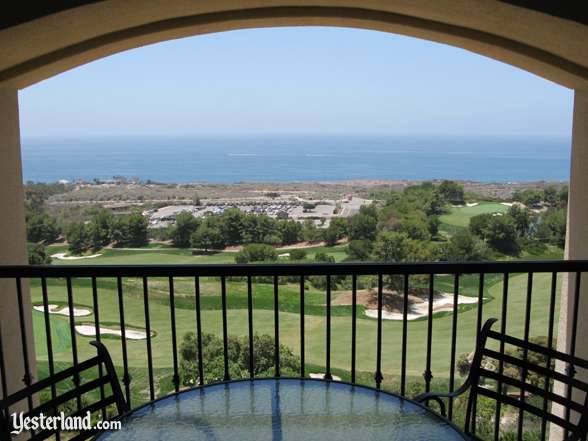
(489, 364)
(55, 405)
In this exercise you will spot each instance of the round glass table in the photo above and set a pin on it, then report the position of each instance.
(284, 409)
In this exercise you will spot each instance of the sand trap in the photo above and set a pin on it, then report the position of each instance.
(508, 204)
(64, 256)
(130, 334)
(284, 255)
(322, 377)
(441, 302)
(64, 310)
(473, 204)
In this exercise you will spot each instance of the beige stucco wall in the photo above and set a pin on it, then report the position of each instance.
(576, 248)
(548, 46)
(12, 241)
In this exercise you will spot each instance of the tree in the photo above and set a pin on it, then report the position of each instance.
(207, 237)
(256, 252)
(323, 257)
(531, 198)
(196, 199)
(551, 227)
(38, 254)
(433, 223)
(291, 231)
(100, 229)
(501, 235)
(550, 196)
(464, 247)
(310, 233)
(391, 246)
(77, 238)
(359, 250)
(363, 227)
(297, 254)
(186, 225)
(238, 358)
(415, 227)
(521, 218)
(42, 228)
(479, 224)
(232, 226)
(336, 230)
(131, 230)
(451, 192)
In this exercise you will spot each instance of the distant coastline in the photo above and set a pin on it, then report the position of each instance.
(122, 190)
(328, 158)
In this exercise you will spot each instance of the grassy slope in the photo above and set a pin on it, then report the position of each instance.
(459, 217)
(289, 318)
(289, 324)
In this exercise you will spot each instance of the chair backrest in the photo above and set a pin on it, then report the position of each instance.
(525, 375)
(58, 403)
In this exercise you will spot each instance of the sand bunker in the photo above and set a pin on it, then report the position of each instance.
(393, 303)
(64, 310)
(322, 377)
(64, 256)
(473, 204)
(130, 334)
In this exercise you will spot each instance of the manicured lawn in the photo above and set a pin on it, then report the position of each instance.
(459, 217)
(289, 323)
(113, 256)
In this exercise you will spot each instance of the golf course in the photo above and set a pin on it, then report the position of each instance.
(289, 318)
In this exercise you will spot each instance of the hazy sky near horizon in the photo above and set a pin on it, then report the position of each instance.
(295, 80)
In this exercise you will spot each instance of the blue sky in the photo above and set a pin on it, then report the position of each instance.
(295, 80)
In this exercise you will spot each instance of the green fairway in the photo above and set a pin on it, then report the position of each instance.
(166, 255)
(459, 217)
(289, 319)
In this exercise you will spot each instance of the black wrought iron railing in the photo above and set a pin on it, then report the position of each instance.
(523, 295)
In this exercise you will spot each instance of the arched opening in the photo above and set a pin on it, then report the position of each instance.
(477, 31)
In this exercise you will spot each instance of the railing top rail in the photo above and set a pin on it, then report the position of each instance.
(292, 269)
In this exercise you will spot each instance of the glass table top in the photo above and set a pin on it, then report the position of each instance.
(285, 409)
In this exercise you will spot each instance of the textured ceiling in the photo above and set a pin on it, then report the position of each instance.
(20, 12)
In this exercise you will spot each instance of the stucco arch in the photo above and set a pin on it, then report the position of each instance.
(544, 45)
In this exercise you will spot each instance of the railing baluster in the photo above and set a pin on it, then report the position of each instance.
(3, 381)
(74, 346)
(172, 310)
(428, 375)
(525, 352)
(353, 324)
(227, 376)
(27, 377)
(302, 317)
(478, 329)
(378, 375)
(199, 330)
(550, 328)
(250, 326)
(328, 375)
(404, 336)
(571, 371)
(126, 379)
(97, 332)
(453, 342)
(49, 340)
(148, 331)
(500, 362)
(276, 328)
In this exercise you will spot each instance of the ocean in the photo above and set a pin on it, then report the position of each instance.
(297, 158)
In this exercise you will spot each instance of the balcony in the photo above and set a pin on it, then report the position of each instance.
(142, 313)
